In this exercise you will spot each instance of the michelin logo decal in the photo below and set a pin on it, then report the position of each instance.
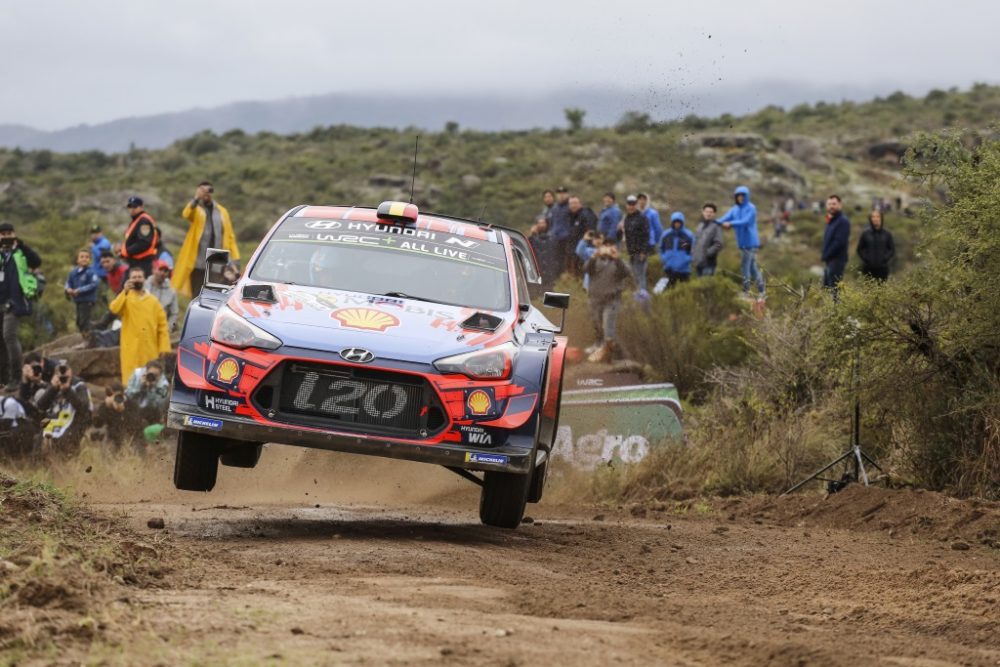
(203, 422)
(477, 457)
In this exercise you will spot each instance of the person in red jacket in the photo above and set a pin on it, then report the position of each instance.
(142, 238)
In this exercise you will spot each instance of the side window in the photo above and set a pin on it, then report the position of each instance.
(523, 296)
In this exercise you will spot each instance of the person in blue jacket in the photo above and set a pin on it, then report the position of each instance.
(655, 226)
(742, 219)
(98, 244)
(836, 239)
(609, 217)
(675, 250)
(81, 287)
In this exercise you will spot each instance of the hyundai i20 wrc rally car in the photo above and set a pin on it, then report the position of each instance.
(384, 332)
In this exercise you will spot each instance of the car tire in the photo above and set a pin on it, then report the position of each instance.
(503, 498)
(196, 465)
(242, 456)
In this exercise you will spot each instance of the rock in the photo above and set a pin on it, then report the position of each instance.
(691, 561)
(504, 633)
(598, 517)
(806, 150)
(960, 546)
(890, 151)
(388, 181)
(733, 140)
(156, 523)
(527, 519)
(298, 631)
(7, 566)
(471, 182)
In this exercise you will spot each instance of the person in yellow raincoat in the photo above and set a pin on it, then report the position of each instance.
(144, 333)
(189, 267)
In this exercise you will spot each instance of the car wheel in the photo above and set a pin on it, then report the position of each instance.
(197, 463)
(503, 498)
(242, 456)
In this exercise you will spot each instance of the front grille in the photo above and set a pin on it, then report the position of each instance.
(350, 398)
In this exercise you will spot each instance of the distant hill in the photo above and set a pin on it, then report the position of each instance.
(502, 110)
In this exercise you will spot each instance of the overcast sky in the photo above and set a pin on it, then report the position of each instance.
(68, 62)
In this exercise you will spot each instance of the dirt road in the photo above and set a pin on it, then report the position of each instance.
(318, 560)
(864, 577)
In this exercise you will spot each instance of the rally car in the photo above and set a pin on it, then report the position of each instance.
(375, 331)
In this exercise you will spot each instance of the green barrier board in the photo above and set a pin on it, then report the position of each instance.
(616, 423)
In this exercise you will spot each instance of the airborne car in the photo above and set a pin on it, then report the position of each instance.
(384, 332)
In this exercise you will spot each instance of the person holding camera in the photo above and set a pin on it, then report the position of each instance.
(144, 334)
(210, 227)
(159, 286)
(17, 430)
(586, 248)
(149, 390)
(115, 415)
(65, 406)
(18, 287)
(608, 278)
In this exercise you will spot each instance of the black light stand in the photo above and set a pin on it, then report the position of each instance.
(854, 458)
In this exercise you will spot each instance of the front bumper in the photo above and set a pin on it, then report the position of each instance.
(508, 458)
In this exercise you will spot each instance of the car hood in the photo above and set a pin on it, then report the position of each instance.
(391, 328)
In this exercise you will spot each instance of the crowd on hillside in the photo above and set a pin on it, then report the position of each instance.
(125, 294)
(569, 237)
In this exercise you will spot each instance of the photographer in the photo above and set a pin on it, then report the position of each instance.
(17, 430)
(116, 415)
(608, 278)
(33, 384)
(144, 334)
(148, 390)
(18, 286)
(66, 410)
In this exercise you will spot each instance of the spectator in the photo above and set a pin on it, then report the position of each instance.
(210, 227)
(608, 277)
(548, 199)
(142, 238)
(708, 242)
(876, 248)
(559, 228)
(159, 286)
(742, 219)
(67, 410)
(36, 374)
(18, 287)
(836, 239)
(149, 390)
(81, 287)
(581, 221)
(635, 229)
(546, 250)
(586, 248)
(17, 430)
(144, 324)
(115, 271)
(115, 415)
(675, 250)
(611, 215)
(98, 244)
(655, 224)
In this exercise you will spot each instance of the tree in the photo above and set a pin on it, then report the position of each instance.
(634, 121)
(574, 116)
(451, 127)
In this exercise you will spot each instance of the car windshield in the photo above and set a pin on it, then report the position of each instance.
(433, 267)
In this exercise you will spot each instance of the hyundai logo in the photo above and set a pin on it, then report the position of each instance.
(357, 355)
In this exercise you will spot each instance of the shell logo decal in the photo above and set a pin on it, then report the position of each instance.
(479, 403)
(365, 318)
(227, 370)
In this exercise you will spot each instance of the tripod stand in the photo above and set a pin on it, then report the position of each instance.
(854, 458)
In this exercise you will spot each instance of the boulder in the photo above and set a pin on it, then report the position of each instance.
(471, 182)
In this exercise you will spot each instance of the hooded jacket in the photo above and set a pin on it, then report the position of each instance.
(708, 243)
(836, 238)
(655, 226)
(743, 218)
(876, 248)
(676, 245)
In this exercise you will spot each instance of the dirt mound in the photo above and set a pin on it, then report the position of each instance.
(63, 566)
(896, 511)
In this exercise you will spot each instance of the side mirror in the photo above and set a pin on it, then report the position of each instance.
(557, 300)
(216, 261)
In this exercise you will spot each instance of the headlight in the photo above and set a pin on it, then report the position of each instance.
(494, 363)
(232, 330)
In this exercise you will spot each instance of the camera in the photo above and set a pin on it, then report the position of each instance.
(152, 378)
(37, 370)
(7, 242)
(119, 398)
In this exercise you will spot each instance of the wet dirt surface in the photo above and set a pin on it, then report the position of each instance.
(303, 584)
